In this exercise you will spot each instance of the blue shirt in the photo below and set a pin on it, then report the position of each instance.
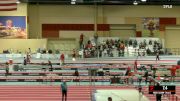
(63, 87)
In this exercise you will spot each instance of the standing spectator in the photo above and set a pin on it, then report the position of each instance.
(81, 40)
(128, 72)
(29, 50)
(122, 47)
(64, 90)
(154, 72)
(74, 54)
(25, 61)
(173, 73)
(157, 55)
(62, 59)
(28, 57)
(50, 64)
(135, 66)
(7, 68)
(139, 79)
(76, 73)
(146, 76)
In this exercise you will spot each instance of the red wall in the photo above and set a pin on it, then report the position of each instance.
(166, 21)
(52, 30)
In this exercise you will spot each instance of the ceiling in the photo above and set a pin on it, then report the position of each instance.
(105, 2)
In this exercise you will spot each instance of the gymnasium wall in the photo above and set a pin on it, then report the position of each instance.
(172, 35)
(22, 44)
(21, 11)
(86, 14)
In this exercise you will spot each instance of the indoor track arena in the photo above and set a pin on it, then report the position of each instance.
(89, 50)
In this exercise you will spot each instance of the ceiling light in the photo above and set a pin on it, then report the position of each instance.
(135, 2)
(73, 2)
(18, 2)
(144, 0)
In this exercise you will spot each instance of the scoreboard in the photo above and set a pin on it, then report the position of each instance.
(163, 89)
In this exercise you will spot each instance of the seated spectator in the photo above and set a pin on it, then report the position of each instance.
(57, 51)
(109, 99)
(100, 71)
(50, 51)
(76, 73)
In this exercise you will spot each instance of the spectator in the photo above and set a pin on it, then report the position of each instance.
(7, 68)
(146, 76)
(100, 71)
(173, 73)
(64, 91)
(135, 66)
(74, 53)
(109, 99)
(50, 64)
(25, 61)
(81, 39)
(76, 73)
(157, 55)
(28, 57)
(139, 79)
(29, 50)
(62, 59)
(128, 72)
(154, 72)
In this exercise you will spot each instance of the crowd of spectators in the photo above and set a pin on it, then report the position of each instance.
(109, 47)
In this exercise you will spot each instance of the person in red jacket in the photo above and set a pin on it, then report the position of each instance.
(173, 72)
(62, 59)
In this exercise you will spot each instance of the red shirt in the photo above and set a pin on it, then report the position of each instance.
(128, 68)
(173, 71)
(62, 57)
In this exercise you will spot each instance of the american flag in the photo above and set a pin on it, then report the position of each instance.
(8, 5)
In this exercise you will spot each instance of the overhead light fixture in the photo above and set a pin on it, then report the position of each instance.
(18, 2)
(135, 2)
(72, 2)
(143, 0)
